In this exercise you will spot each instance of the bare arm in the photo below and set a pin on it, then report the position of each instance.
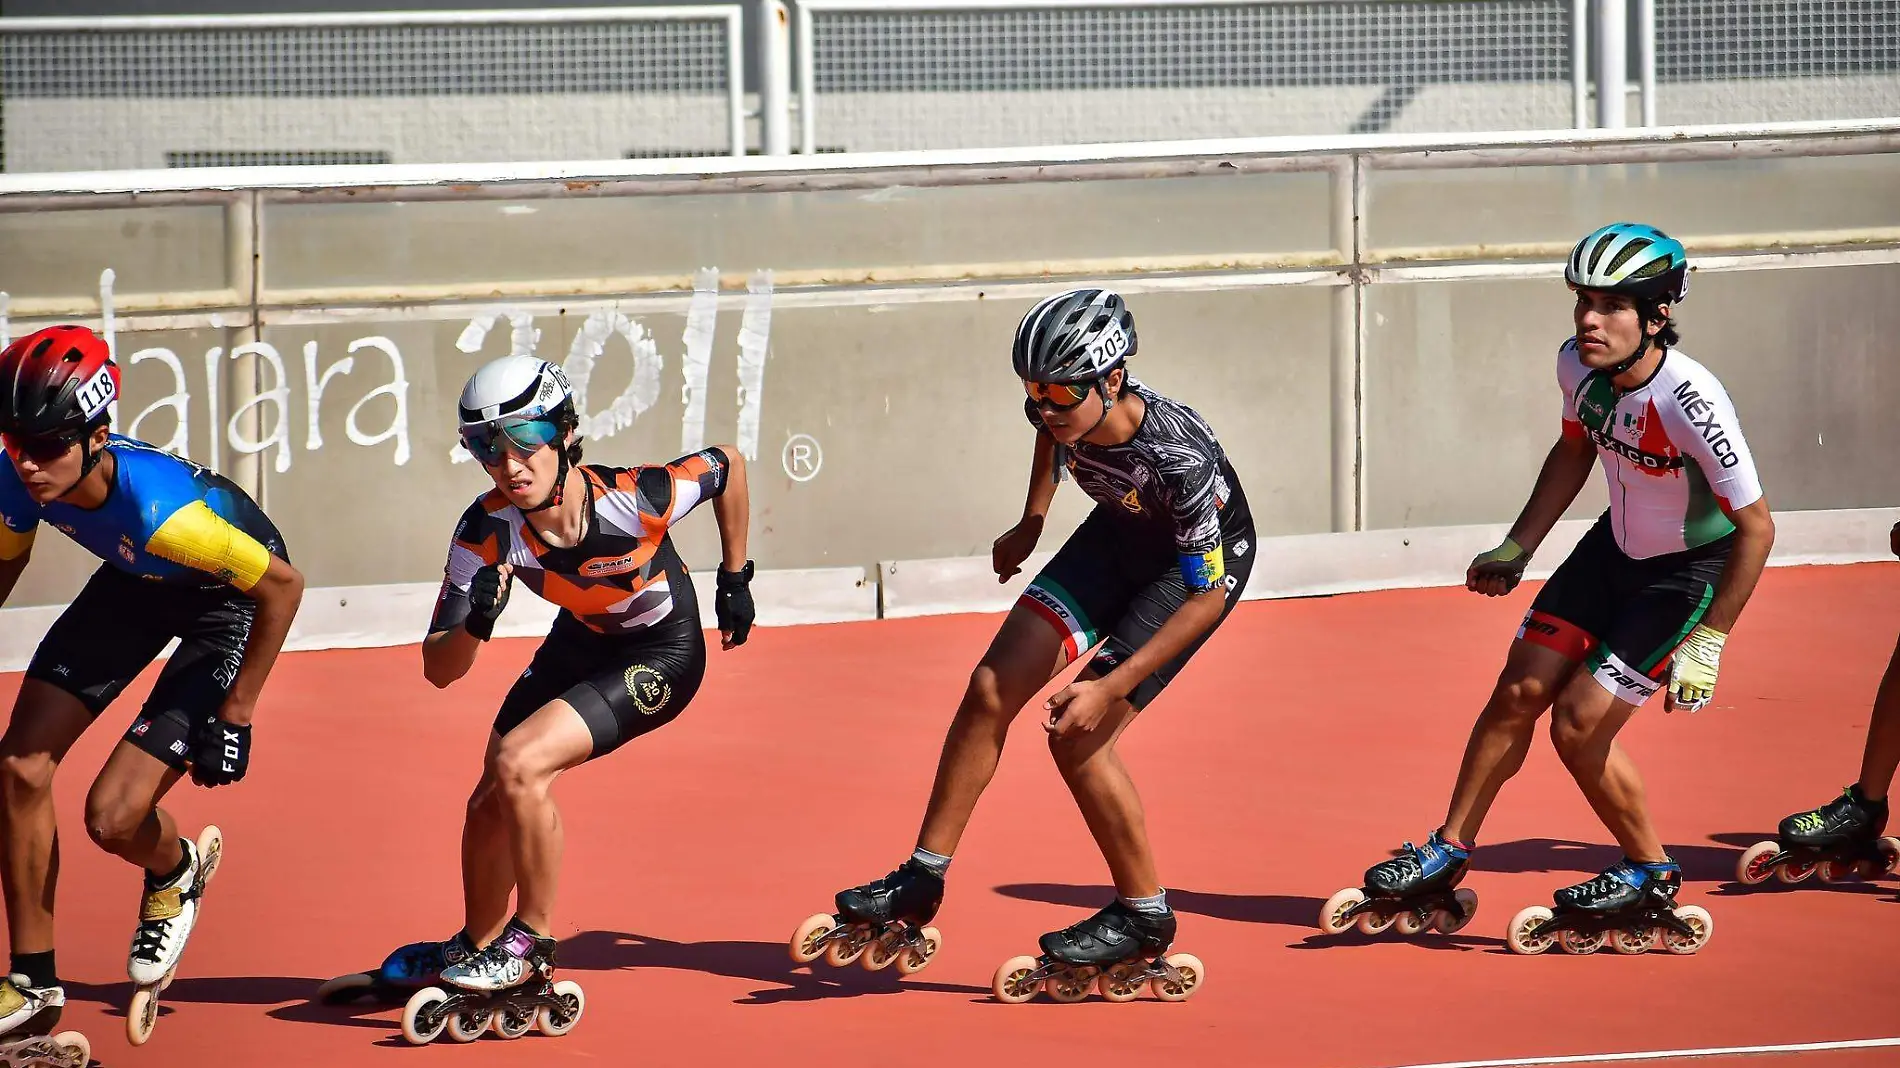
(1566, 468)
(448, 654)
(278, 593)
(1190, 621)
(733, 510)
(1015, 544)
(1754, 539)
(1042, 478)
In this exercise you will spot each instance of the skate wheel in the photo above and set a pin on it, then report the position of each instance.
(1193, 973)
(1835, 871)
(912, 959)
(1889, 850)
(1580, 944)
(513, 1022)
(1123, 982)
(1332, 915)
(1753, 868)
(1411, 923)
(808, 941)
(1070, 985)
(881, 952)
(845, 948)
(1699, 921)
(467, 1026)
(210, 852)
(141, 1017)
(1373, 923)
(1518, 936)
(1794, 871)
(345, 988)
(1632, 943)
(74, 1050)
(1012, 984)
(1449, 922)
(422, 1020)
(573, 1003)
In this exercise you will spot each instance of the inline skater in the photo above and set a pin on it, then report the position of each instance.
(1157, 565)
(625, 657)
(1843, 835)
(1644, 602)
(187, 555)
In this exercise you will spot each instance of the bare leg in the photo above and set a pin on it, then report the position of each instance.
(525, 765)
(488, 863)
(1882, 754)
(1025, 654)
(46, 722)
(1502, 736)
(1583, 727)
(1110, 804)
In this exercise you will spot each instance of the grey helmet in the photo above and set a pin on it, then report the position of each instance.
(1078, 336)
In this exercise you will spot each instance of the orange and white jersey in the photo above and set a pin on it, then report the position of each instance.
(624, 577)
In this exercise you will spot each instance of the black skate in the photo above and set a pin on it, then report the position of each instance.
(1414, 890)
(1118, 950)
(878, 924)
(1837, 840)
(507, 987)
(1628, 906)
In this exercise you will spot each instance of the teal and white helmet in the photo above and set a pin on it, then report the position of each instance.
(1631, 258)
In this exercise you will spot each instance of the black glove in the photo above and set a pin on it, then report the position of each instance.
(487, 596)
(222, 752)
(732, 603)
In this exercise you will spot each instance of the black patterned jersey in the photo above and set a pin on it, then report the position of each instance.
(1172, 472)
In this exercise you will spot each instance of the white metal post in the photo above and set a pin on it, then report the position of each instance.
(807, 117)
(1612, 63)
(775, 87)
(735, 81)
(1580, 64)
(1646, 57)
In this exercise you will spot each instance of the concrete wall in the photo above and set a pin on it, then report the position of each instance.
(886, 425)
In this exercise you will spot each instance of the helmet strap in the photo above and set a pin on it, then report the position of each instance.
(88, 460)
(1649, 315)
(560, 483)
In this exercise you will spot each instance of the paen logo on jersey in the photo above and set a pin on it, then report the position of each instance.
(97, 393)
(619, 565)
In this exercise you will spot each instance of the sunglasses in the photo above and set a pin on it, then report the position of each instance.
(40, 449)
(1059, 396)
(489, 442)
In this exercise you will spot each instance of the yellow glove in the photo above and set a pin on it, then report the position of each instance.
(1692, 673)
(1504, 564)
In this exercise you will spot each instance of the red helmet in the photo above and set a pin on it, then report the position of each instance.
(56, 381)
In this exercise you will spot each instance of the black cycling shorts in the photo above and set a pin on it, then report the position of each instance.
(119, 624)
(623, 687)
(1624, 618)
(1117, 582)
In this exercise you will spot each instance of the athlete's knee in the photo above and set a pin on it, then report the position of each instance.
(1574, 723)
(517, 772)
(26, 776)
(1520, 695)
(983, 698)
(112, 818)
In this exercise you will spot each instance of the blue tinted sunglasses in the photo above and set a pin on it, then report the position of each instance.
(490, 441)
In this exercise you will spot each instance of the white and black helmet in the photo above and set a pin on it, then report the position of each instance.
(516, 387)
(1078, 336)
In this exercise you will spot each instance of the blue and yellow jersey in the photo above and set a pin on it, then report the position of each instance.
(165, 518)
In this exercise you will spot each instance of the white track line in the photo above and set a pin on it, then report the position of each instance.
(1667, 1054)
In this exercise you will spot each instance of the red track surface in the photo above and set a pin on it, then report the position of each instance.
(1309, 738)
